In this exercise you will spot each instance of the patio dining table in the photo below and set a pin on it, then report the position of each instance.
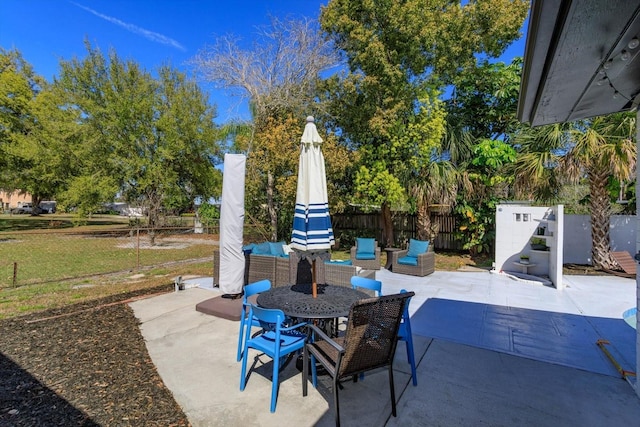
(297, 300)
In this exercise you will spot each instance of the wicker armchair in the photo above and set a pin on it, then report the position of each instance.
(426, 263)
(369, 343)
(368, 264)
(340, 274)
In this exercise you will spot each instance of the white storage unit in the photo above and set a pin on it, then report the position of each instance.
(516, 226)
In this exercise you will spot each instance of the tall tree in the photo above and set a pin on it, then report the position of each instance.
(400, 54)
(152, 140)
(19, 87)
(481, 116)
(484, 100)
(48, 152)
(278, 76)
(593, 151)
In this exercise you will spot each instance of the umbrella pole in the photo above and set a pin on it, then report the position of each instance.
(314, 285)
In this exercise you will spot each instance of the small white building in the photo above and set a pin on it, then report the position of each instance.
(516, 225)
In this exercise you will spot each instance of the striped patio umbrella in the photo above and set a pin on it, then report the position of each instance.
(312, 231)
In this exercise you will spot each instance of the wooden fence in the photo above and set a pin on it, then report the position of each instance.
(347, 227)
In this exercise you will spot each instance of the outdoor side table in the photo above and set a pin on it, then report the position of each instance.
(390, 252)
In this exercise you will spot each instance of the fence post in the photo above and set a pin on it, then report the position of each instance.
(138, 248)
(15, 273)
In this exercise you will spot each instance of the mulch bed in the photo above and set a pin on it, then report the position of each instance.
(587, 270)
(82, 365)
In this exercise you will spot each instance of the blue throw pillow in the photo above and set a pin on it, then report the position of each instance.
(365, 248)
(262, 249)
(417, 247)
(276, 248)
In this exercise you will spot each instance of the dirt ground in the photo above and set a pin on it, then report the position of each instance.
(87, 364)
(84, 365)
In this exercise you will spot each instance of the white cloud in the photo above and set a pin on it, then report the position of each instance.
(153, 36)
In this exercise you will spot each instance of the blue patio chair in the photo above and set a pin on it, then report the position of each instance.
(363, 282)
(276, 341)
(404, 334)
(249, 290)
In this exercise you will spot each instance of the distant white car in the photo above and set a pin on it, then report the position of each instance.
(26, 208)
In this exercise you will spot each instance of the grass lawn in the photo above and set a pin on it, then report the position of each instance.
(46, 262)
(18, 223)
(46, 257)
(15, 301)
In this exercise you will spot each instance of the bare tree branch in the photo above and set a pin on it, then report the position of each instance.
(279, 70)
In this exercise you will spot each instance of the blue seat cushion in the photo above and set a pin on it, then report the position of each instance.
(408, 260)
(262, 249)
(365, 248)
(276, 248)
(339, 261)
(417, 247)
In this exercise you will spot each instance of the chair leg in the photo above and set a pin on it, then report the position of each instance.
(305, 370)
(243, 372)
(274, 384)
(336, 405)
(314, 372)
(392, 389)
(240, 338)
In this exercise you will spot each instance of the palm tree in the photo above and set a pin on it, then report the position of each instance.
(594, 150)
(437, 185)
(438, 182)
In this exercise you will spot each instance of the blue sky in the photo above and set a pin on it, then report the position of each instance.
(151, 32)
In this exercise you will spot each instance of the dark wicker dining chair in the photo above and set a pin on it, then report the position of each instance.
(369, 342)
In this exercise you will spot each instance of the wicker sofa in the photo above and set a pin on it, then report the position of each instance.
(267, 260)
(274, 268)
(425, 266)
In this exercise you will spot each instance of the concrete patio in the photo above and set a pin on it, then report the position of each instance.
(489, 350)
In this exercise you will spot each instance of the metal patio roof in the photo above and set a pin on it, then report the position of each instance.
(581, 60)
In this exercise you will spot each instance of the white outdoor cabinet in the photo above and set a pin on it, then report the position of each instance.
(516, 225)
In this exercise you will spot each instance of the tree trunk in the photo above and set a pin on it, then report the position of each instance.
(387, 225)
(153, 223)
(273, 215)
(426, 228)
(423, 219)
(600, 207)
(154, 200)
(35, 204)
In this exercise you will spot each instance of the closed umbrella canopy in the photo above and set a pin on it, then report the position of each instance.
(312, 231)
